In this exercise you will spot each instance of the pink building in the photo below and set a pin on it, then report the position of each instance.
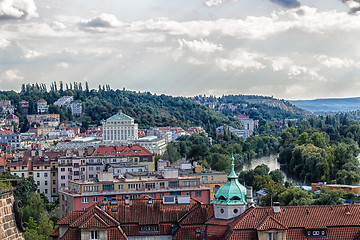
(83, 194)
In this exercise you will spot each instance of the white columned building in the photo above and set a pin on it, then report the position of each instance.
(120, 128)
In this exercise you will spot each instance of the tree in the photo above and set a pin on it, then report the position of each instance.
(329, 197)
(277, 175)
(295, 196)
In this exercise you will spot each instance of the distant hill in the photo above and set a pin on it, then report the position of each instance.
(255, 106)
(329, 104)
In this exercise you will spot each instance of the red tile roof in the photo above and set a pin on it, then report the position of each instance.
(196, 221)
(122, 151)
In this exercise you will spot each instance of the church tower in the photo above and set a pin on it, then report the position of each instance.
(230, 200)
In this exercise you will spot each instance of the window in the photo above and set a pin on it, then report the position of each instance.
(149, 228)
(94, 235)
(54, 190)
(91, 168)
(76, 173)
(95, 199)
(150, 185)
(54, 182)
(198, 194)
(37, 174)
(85, 200)
(121, 187)
(62, 169)
(38, 183)
(173, 183)
(46, 191)
(23, 174)
(162, 184)
(62, 177)
(45, 175)
(273, 236)
(63, 185)
(198, 230)
(45, 183)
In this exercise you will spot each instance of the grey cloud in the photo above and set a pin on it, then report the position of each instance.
(17, 9)
(287, 3)
(102, 21)
(354, 5)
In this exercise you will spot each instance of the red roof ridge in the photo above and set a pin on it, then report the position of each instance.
(89, 222)
(268, 222)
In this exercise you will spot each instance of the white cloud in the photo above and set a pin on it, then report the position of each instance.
(305, 72)
(17, 9)
(11, 75)
(279, 63)
(240, 60)
(33, 54)
(200, 46)
(63, 65)
(336, 62)
(103, 21)
(211, 3)
(4, 43)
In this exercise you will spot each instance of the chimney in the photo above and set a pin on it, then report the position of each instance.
(102, 205)
(127, 201)
(347, 210)
(276, 208)
(249, 196)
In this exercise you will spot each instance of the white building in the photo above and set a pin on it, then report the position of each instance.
(64, 100)
(76, 108)
(120, 128)
(153, 144)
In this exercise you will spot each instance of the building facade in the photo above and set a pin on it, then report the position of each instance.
(120, 128)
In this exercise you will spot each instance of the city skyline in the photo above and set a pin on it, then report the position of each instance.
(287, 49)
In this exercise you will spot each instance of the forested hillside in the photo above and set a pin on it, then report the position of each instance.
(257, 107)
(147, 109)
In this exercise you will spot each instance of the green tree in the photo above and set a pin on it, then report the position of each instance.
(329, 197)
(277, 175)
(295, 196)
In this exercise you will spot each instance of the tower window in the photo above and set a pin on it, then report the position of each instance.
(222, 210)
(236, 210)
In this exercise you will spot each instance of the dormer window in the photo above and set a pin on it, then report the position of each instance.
(316, 233)
(149, 228)
(197, 230)
(273, 236)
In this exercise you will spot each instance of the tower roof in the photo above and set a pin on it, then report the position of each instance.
(232, 192)
(120, 116)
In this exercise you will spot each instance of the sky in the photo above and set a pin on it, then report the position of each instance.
(289, 49)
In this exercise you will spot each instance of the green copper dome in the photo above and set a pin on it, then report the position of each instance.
(232, 192)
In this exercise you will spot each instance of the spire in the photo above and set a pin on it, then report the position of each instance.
(232, 173)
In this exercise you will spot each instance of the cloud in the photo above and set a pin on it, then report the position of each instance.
(200, 46)
(279, 63)
(33, 54)
(4, 43)
(63, 65)
(240, 60)
(354, 5)
(336, 62)
(11, 75)
(287, 3)
(17, 9)
(103, 21)
(211, 3)
(304, 72)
